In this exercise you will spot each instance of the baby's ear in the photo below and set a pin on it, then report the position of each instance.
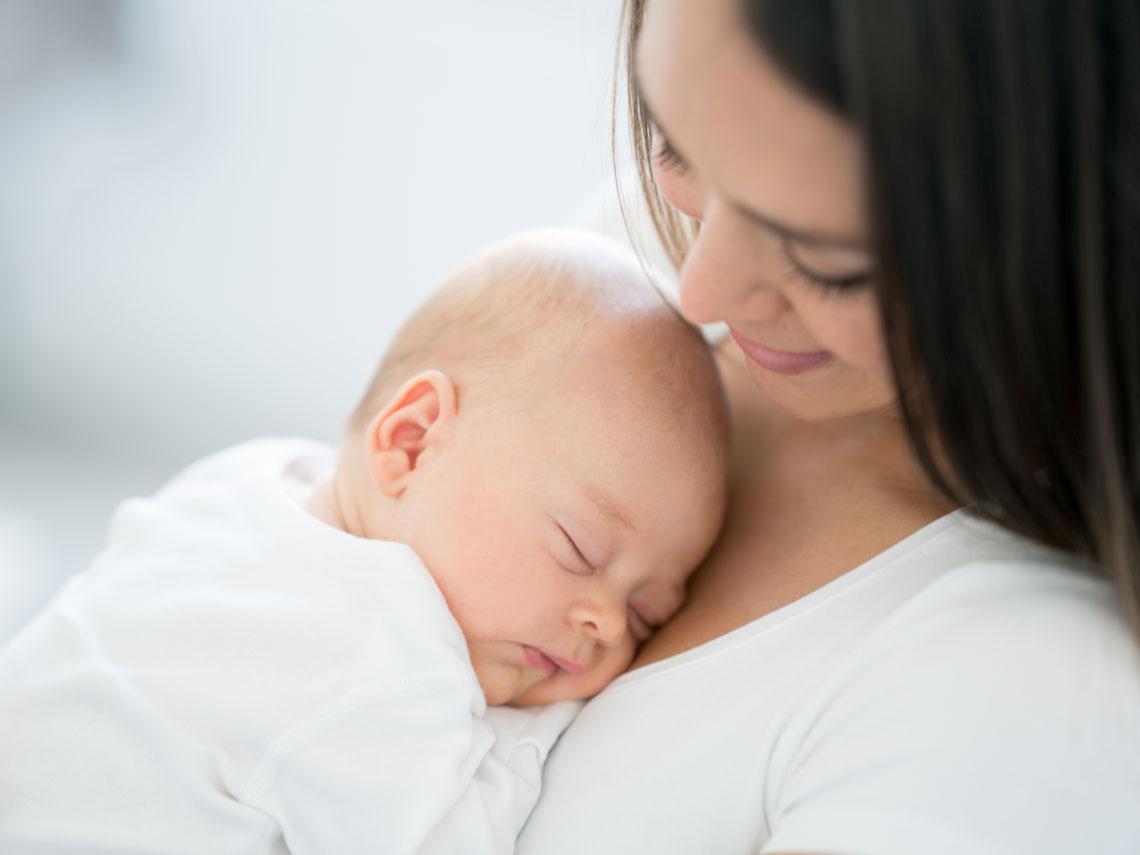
(418, 417)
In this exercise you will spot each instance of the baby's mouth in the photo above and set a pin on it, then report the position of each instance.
(535, 658)
(548, 663)
(568, 665)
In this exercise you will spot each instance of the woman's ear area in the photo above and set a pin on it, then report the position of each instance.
(417, 418)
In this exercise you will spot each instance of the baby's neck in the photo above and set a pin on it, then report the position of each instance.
(343, 499)
(328, 503)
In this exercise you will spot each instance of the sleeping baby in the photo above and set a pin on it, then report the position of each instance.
(292, 649)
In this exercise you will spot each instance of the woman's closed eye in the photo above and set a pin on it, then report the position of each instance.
(829, 272)
(667, 157)
(833, 270)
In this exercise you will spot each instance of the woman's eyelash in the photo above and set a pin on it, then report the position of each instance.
(667, 156)
(838, 285)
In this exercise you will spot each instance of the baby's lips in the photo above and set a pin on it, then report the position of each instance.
(575, 668)
(535, 658)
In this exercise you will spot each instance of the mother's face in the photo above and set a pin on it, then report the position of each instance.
(774, 177)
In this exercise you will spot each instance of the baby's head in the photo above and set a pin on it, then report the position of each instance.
(550, 438)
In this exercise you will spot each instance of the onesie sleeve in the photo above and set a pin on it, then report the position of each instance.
(418, 774)
(523, 739)
(976, 755)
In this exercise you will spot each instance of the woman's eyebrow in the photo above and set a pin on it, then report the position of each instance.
(795, 234)
(803, 236)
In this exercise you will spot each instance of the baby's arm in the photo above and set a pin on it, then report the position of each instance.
(413, 775)
(509, 780)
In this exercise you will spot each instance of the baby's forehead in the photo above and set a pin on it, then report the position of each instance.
(638, 388)
(636, 466)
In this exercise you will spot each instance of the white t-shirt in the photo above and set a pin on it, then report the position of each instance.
(965, 691)
(234, 676)
(962, 692)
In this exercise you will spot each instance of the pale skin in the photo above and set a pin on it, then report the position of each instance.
(545, 525)
(821, 475)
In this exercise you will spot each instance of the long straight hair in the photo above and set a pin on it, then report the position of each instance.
(1003, 179)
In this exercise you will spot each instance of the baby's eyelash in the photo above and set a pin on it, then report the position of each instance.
(840, 286)
(640, 626)
(586, 566)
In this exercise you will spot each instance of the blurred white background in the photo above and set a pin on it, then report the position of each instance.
(213, 216)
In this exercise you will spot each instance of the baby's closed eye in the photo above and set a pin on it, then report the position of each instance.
(570, 555)
(640, 626)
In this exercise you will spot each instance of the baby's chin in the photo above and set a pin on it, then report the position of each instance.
(503, 683)
(523, 688)
(548, 692)
(562, 686)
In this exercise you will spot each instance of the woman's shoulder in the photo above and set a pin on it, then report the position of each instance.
(1003, 585)
(1002, 699)
(1022, 620)
(1028, 633)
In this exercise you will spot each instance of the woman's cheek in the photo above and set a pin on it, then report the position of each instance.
(680, 191)
(849, 326)
(869, 342)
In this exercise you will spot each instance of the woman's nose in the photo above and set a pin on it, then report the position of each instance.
(729, 275)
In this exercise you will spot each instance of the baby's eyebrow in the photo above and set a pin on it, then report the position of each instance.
(609, 508)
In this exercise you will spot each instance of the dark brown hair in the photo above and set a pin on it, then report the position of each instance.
(1003, 143)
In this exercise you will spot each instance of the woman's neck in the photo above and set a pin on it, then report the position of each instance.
(871, 449)
(809, 501)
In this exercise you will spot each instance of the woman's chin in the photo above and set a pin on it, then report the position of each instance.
(833, 391)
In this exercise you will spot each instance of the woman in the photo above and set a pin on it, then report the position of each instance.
(921, 223)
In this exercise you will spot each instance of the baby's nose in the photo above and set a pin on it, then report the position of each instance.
(607, 624)
(600, 616)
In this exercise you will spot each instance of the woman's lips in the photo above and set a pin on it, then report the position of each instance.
(778, 360)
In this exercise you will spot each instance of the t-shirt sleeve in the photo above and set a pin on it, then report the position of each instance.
(893, 757)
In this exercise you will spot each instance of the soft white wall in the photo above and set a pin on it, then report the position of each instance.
(213, 215)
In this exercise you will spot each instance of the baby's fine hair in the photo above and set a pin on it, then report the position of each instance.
(537, 291)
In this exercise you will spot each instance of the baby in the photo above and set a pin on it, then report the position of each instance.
(290, 649)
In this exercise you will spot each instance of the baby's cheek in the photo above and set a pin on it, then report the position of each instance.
(501, 681)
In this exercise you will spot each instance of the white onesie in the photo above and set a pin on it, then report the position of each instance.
(234, 676)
